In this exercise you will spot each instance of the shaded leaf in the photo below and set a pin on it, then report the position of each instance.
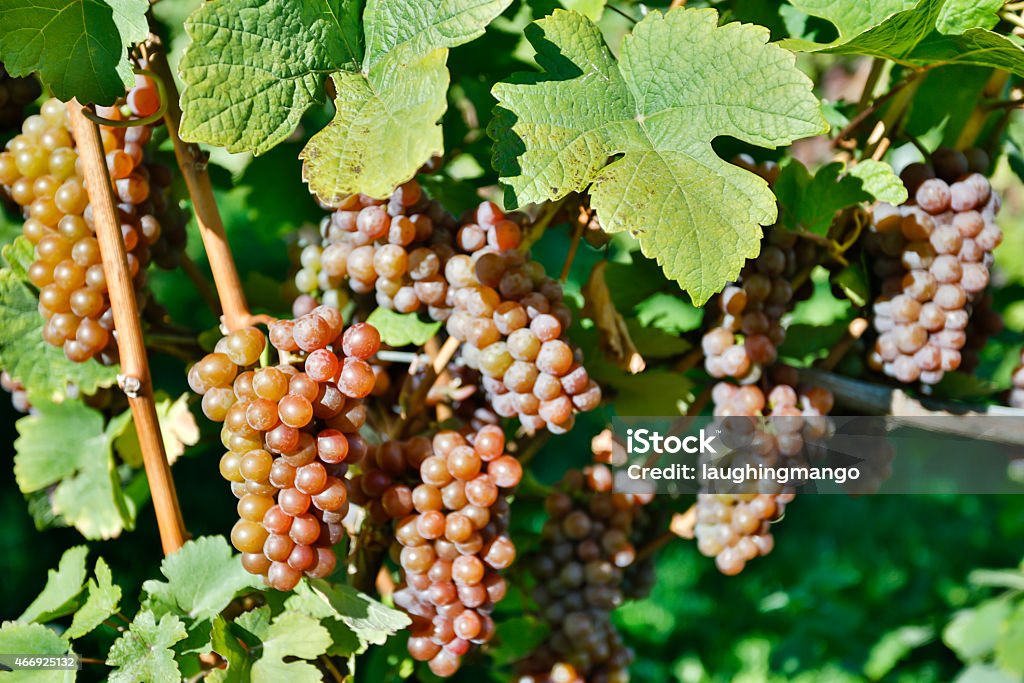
(35, 639)
(63, 586)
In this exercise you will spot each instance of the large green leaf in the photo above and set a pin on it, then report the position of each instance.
(143, 654)
(63, 586)
(680, 81)
(386, 121)
(78, 47)
(66, 444)
(41, 368)
(275, 56)
(202, 578)
(227, 645)
(33, 639)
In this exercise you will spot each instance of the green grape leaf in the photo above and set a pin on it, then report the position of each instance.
(853, 18)
(78, 47)
(274, 54)
(41, 368)
(958, 16)
(919, 36)
(386, 116)
(292, 635)
(63, 586)
(143, 654)
(402, 329)
(369, 619)
(34, 639)
(357, 149)
(1010, 648)
(19, 255)
(878, 180)
(418, 28)
(104, 598)
(811, 202)
(66, 444)
(202, 578)
(680, 81)
(973, 633)
(227, 645)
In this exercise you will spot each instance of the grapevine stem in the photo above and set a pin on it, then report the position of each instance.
(677, 3)
(331, 669)
(134, 364)
(877, 66)
(854, 331)
(444, 356)
(874, 399)
(192, 163)
(577, 235)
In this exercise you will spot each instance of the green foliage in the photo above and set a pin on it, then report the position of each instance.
(33, 639)
(202, 578)
(810, 202)
(67, 445)
(394, 102)
(104, 598)
(398, 329)
(369, 620)
(989, 637)
(78, 47)
(296, 636)
(143, 654)
(274, 54)
(42, 368)
(63, 586)
(659, 106)
(925, 35)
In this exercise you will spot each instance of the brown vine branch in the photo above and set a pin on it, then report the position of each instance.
(874, 399)
(854, 331)
(135, 377)
(192, 163)
(191, 270)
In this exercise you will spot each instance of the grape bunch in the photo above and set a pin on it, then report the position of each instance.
(40, 171)
(412, 256)
(290, 434)
(734, 527)
(586, 567)
(448, 497)
(933, 255)
(15, 95)
(750, 330)
(19, 397)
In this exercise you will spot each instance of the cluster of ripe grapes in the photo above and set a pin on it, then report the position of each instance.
(933, 254)
(448, 498)
(15, 95)
(749, 328)
(734, 527)
(290, 432)
(586, 566)
(39, 169)
(413, 256)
